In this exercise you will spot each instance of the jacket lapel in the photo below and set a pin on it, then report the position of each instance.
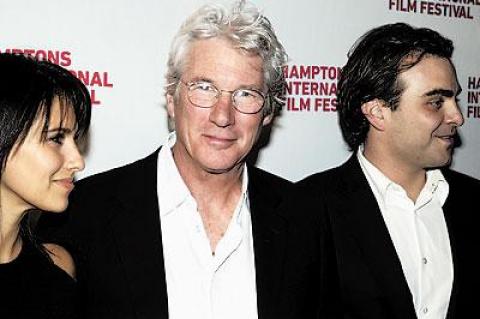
(448, 209)
(357, 212)
(136, 228)
(269, 237)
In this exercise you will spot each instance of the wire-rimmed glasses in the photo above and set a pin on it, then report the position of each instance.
(204, 94)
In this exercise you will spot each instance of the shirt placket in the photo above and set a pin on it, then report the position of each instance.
(200, 247)
(406, 241)
(226, 247)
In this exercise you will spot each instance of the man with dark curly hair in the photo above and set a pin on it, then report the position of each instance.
(403, 236)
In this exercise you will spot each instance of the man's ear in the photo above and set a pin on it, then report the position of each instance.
(170, 106)
(374, 112)
(267, 119)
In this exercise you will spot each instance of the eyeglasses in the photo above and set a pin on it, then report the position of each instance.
(204, 94)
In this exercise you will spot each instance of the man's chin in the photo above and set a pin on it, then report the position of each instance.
(222, 169)
(442, 163)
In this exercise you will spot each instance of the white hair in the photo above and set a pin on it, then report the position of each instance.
(247, 28)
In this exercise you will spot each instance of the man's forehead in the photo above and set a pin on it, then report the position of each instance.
(431, 75)
(215, 57)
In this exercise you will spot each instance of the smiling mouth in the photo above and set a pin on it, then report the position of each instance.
(66, 183)
(219, 140)
(447, 139)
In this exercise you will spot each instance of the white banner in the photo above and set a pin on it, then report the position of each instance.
(119, 50)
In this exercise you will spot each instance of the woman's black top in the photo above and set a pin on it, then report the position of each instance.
(33, 287)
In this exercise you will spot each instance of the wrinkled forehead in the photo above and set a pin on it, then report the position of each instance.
(220, 43)
(218, 57)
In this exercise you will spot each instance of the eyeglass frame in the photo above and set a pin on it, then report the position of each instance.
(219, 93)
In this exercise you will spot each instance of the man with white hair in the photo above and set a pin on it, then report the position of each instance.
(192, 231)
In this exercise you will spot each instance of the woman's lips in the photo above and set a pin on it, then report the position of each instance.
(66, 183)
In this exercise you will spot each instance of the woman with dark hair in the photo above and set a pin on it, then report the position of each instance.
(44, 110)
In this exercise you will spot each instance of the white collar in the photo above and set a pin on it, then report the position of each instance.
(435, 181)
(175, 192)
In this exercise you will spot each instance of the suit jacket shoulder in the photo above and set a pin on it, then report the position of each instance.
(115, 180)
(93, 195)
(293, 202)
(339, 182)
(263, 183)
(461, 180)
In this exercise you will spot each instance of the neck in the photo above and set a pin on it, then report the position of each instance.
(10, 240)
(10, 218)
(412, 179)
(207, 187)
(216, 195)
(205, 184)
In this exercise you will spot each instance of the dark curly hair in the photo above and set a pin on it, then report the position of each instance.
(374, 64)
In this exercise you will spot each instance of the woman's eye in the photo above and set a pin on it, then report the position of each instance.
(57, 139)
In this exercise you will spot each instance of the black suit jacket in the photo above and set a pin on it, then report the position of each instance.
(112, 228)
(372, 282)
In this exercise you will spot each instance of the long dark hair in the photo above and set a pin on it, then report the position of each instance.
(28, 88)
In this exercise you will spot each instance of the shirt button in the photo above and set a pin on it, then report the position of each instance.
(425, 310)
(424, 261)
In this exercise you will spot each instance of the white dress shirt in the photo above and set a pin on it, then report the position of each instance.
(201, 285)
(420, 236)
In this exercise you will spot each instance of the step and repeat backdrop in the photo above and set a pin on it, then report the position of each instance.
(119, 48)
